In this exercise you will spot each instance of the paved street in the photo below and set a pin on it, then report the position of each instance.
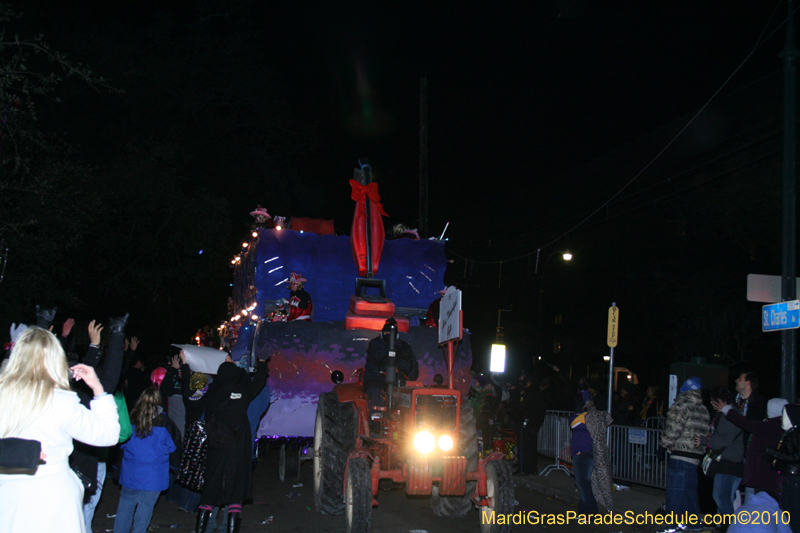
(292, 508)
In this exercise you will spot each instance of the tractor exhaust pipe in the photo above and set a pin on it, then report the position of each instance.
(391, 369)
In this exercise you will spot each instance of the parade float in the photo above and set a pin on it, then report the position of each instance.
(355, 282)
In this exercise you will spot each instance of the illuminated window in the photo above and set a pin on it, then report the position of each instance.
(557, 320)
(556, 346)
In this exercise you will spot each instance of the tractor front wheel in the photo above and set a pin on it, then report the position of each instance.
(358, 496)
(500, 493)
(459, 506)
(334, 436)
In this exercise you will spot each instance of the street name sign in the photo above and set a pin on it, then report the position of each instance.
(613, 326)
(784, 315)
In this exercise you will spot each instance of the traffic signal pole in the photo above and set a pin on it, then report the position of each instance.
(788, 264)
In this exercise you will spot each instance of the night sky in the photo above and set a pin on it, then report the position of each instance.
(524, 101)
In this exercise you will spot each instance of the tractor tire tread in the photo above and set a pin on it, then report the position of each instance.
(339, 427)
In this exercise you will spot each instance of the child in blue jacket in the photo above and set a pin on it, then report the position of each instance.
(156, 442)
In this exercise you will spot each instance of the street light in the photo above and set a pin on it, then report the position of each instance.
(497, 361)
(566, 256)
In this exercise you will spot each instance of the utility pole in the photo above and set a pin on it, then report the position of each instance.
(788, 264)
(423, 157)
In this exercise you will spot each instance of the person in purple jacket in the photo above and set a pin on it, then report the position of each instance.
(758, 474)
(146, 459)
(581, 446)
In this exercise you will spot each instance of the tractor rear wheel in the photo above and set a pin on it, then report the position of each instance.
(358, 496)
(289, 463)
(500, 493)
(459, 506)
(334, 436)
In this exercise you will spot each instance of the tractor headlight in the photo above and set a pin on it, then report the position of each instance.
(424, 442)
(446, 442)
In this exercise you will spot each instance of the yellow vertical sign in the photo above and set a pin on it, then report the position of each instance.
(613, 326)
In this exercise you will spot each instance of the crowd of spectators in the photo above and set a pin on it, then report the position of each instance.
(747, 445)
(67, 423)
(744, 442)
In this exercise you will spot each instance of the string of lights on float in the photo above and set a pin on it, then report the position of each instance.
(240, 318)
(237, 259)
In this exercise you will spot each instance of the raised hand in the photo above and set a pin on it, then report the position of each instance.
(718, 404)
(67, 327)
(134, 343)
(94, 332)
(88, 375)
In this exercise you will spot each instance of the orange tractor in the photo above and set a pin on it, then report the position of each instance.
(424, 438)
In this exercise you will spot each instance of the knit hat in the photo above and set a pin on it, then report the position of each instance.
(775, 407)
(198, 381)
(693, 383)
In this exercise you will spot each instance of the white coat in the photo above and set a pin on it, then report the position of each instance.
(52, 498)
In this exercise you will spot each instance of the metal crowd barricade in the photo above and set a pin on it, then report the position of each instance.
(554, 441)
(633, 451)
(656, 422)
(634, 455)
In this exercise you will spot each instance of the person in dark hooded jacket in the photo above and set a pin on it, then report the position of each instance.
(787, 460)
(228, 475)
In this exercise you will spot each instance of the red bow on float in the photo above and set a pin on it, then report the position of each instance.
(361, 192)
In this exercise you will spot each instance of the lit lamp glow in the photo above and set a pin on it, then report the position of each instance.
(567, 256)
(424, 442)
(606, 358)
(497, 362)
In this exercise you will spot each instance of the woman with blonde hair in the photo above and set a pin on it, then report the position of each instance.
(36, 403)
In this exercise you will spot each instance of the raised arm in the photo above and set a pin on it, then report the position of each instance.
(259, 379)
(98, 426)
(112, 369)
(92, 357)
(743, 422)
(171, 377)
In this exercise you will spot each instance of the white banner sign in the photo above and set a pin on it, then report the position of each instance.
(202, 358)
(450, 315)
